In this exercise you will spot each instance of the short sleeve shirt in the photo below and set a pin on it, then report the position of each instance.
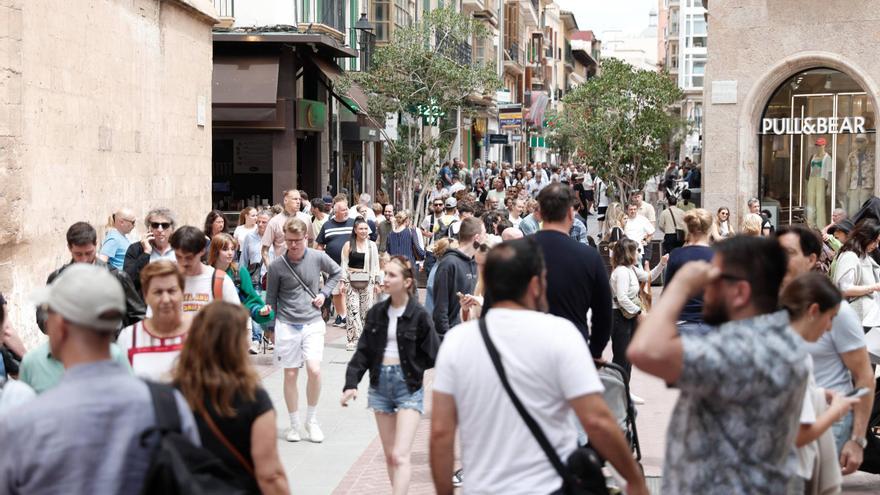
(114, 248)
(274, 235)
(734, 425)
(846, 335)
(637, 228)
(333, 236)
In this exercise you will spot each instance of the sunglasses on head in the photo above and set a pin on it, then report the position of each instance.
(164, 225)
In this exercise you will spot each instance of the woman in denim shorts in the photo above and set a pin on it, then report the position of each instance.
(397, 345)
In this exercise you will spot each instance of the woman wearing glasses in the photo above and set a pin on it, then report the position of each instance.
(156, 244)
(397, 346)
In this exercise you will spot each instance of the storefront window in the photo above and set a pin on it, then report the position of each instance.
(817, 148)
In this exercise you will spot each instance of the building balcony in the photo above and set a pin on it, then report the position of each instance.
(486, 10)
(530, 12)
(514, 59)
(225, 12)
(461, 52)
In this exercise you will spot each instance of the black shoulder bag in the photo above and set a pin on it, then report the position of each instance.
(582, 474)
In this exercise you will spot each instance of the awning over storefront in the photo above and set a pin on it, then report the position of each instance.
(355, 100)
(245, 88)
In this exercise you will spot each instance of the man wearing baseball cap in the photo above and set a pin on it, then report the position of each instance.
(84, 435)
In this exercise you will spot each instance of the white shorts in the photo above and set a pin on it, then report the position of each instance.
(296, 344)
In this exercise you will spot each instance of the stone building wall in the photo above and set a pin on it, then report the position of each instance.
(98, 110)
(759, 44)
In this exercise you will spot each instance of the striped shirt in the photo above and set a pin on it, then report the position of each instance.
(403, 243)
(333, 237)
(150, 357)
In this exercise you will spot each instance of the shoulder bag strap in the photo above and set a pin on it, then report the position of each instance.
(226, 443)
(527, 418)
(218, 284)
(296, 276)
(165, 407)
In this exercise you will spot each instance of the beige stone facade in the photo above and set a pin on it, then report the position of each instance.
(99, 108)
(754, 47)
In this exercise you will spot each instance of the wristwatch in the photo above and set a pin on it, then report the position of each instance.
(860, 441)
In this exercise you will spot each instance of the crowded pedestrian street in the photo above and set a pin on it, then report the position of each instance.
(479, 247)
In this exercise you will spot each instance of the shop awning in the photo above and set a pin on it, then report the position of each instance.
(355, 100)
(245, 88)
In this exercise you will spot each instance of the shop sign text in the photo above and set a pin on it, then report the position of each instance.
(814, 125)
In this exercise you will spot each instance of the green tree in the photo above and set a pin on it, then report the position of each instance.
(424, 75)
(620, 123)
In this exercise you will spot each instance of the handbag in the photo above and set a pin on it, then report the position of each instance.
(582, 473)
(361, 280)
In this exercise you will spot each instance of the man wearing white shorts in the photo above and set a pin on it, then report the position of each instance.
(294, 290)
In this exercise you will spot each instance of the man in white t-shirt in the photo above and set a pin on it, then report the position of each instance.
(549, 367)
(189, 246)
(639, 229)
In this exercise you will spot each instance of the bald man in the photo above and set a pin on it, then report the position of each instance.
(511, 233)
(115, 242)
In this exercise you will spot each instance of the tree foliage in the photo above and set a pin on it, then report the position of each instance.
(424, 66)
(619, 121)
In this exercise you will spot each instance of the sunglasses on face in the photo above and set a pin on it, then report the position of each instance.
(164, 225)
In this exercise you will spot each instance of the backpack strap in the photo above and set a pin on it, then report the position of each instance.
(218, 285)
(165, 407)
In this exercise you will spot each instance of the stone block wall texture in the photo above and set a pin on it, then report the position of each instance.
(98, 110)
(760, 44)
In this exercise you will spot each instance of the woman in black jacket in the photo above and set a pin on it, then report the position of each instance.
(397, 345)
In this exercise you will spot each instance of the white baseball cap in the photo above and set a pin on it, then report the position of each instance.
(86, 295)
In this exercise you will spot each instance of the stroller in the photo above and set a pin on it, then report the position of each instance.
(616, 382)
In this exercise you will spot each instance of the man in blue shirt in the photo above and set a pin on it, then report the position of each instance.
(84, 435)
(115, 243)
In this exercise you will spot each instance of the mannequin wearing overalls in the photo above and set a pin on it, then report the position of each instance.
(818, 171)
(860, 170)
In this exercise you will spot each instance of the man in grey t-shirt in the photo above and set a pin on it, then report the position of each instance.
(840, 357)
(293, 290)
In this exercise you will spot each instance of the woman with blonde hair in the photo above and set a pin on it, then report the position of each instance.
(233, 412)
(699, 224)
(397, 349)
(751, 225)
(404, 240)
(615, 219)
(221, 256)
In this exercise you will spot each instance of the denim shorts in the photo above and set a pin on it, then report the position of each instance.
(392, 394)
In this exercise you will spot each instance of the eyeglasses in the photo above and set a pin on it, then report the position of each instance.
(438, 204)
(164, 225)
(295, 241)
(131, 220)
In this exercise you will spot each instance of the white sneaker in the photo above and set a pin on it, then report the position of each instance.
(314, 432)
(636, 399)
(293, 435)
(254, 348)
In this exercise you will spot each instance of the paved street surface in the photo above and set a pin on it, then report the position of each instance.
(350, 461)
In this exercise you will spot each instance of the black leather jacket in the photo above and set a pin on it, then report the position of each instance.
(417, 343)
(135, 309)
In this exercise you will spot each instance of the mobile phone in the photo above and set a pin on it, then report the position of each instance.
(858, 392)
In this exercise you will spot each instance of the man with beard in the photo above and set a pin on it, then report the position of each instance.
(551, 372)
(742, 385)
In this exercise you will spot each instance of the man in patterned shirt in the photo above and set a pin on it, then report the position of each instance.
(742, 386)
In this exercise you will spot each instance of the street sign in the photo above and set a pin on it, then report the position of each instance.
(503, 96)
(498, 139)
(510, 116)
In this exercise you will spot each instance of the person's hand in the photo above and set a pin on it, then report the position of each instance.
(318, 301)
(350, 394)
(664, 260)
(851, 456)
(694, 276)
(146, 242)
(469, 301)
(637, 489)
(265, 310)
(840, 404)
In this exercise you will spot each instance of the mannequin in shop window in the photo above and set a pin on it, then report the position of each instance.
(860, 171)
(819, 173)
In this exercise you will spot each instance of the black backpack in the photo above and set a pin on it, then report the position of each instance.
(445, 229)
(179, 466)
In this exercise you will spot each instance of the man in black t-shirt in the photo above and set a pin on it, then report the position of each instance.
(335, 232)
(576, 277)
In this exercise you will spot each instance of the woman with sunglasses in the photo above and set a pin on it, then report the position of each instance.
(722, 220)
(397, 346)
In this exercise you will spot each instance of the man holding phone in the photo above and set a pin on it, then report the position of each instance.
(156, 244)
(840, 356)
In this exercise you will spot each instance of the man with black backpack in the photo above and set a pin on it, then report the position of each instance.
(85, 434)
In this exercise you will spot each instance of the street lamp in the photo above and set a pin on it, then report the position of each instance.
(365, 28)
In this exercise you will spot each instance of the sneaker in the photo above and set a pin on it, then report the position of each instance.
(458, 478)
(270, 346)
(636, 399)
(314, 432)
(293, 435)
(342, 322)
(338, 322)
(351, 346)
(254, 348)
